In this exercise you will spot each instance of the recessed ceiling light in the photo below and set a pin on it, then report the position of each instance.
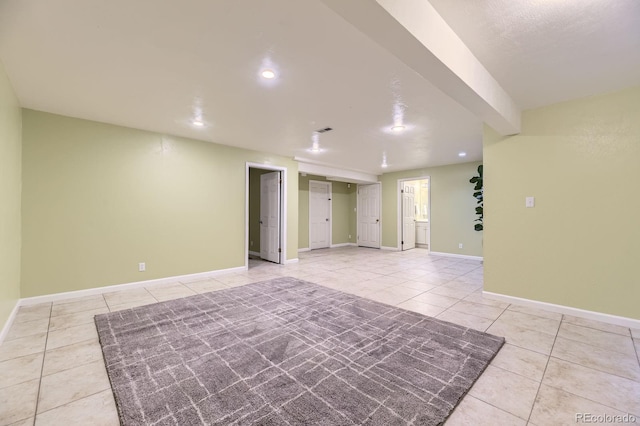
(462, 154)
(268, 74)
(197, 123)
(384, 160)
(398, 128)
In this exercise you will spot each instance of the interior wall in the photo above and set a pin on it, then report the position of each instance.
(452, 208)
(341, 231)
(254, 208)
(342, 213)
(10, 197)
(98, 199)
(579, 246)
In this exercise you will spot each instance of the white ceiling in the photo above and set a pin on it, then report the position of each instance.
(154, 64)
(548, 51)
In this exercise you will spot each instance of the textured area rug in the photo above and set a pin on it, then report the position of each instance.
(287, 352)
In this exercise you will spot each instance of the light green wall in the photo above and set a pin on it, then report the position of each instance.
(353, 214)
(10, 193)
(341, 214)
(579, 246)
(343, 217)
(254, 207)
(452, 208)
(100, 198)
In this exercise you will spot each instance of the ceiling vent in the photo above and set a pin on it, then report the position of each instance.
(326, 129)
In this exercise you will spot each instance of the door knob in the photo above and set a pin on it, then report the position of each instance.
(377, 220)
(327, 219)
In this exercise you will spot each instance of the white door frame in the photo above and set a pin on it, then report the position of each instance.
(330, 211)
(283, 209)
(379, 211)
(399, 204)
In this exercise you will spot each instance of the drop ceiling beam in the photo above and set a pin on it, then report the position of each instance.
(335, 173)
(416, 34)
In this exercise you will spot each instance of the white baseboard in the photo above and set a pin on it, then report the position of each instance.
(9, 322)
(117, 287)
(300, 250)
(342, 245)
(288, 261)
(459, 256)
(254, 253)
(561, 309)
(389, 248)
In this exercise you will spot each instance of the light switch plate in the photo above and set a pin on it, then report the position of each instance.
(530, 202)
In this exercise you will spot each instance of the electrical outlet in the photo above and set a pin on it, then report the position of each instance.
(142, 267)
(460, 245)
(349, 236)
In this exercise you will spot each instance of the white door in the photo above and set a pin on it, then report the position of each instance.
(270, 216)
(369, 215)
(408, 218)
(319, 214)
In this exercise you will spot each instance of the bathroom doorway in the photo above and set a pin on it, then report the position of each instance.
(414, 213)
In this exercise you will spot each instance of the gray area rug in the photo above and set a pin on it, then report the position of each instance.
(287, 352)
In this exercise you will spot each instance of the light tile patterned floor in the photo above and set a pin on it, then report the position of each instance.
(552, 368)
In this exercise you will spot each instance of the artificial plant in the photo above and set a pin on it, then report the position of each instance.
(477, 194)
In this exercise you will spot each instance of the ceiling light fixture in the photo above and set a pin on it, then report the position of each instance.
(462, 154)
(198, 123)
(269, 74)
(398, 128)
(384, 164)
(315, 146)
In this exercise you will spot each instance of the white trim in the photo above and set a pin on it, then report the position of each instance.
(117, 287)
(254, 253)
(389, 248)
(7, 325)
(300, 250)
(342, 245)
(330, 229)
(288, 261)
(561, 309)
(283, 209)
(459, 256)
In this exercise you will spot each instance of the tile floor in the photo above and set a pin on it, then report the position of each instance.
(551, 368)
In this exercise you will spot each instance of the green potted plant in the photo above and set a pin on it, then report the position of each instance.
(477, 194)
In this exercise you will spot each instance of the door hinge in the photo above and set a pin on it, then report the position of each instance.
(280, 180)
(279, 250)
(402, 191)
(402, 242)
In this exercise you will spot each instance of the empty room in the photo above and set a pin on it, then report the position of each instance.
(276, 212)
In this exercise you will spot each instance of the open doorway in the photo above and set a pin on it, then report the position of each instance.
(414, 213)
(265, 222)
